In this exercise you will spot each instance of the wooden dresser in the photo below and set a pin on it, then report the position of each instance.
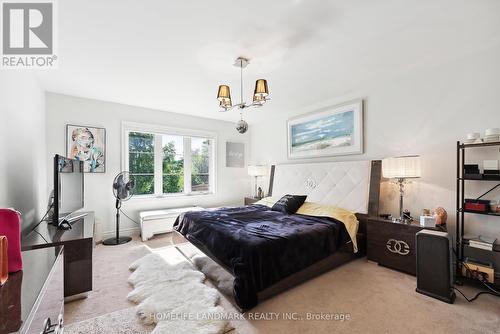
(32, 300)
(392, 244)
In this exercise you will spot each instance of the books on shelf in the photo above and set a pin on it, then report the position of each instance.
(482, 242)
(480, 245)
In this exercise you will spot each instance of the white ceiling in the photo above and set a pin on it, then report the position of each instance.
(172, 55)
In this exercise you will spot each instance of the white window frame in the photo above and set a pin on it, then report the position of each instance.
(159, 130)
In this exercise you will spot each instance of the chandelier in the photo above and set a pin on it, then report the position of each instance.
(260, 95)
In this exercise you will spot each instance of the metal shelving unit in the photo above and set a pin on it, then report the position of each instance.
(461, 211)
(486, 180)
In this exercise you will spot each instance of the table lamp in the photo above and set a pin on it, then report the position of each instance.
(400, 169)
(257, 171)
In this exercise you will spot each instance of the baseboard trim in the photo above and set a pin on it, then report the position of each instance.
(129, 232)
(82, 295)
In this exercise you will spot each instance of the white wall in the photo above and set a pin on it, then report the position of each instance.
(423, 110)
(22, 146)
(232, 183)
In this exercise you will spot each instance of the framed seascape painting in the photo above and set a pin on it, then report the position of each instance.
(332, 131)
(87, 144)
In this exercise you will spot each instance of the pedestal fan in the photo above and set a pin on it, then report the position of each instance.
(123, 189)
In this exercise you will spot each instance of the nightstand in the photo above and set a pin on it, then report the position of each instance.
(392, 244)
(251, 200)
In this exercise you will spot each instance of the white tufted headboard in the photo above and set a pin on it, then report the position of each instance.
(352, 185)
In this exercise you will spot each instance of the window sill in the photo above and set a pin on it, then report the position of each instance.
(171, 196)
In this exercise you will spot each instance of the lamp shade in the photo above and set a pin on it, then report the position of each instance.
(257, 170)
(223, 94)
(226, 104)
(259, 100)
(261, 88)
(401, 167)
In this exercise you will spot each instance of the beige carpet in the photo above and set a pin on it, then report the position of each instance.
(118, 322)
(377, 299)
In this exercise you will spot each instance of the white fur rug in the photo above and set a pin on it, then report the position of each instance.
(171, 293)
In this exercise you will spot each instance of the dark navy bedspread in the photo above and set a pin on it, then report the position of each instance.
(261, 246)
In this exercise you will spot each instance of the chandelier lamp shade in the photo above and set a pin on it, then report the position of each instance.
(224, 96)
(261, 91)
(260, 94)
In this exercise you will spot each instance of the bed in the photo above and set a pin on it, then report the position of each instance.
(266, 252)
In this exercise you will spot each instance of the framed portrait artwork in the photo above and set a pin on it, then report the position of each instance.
(87, 144)
(332, 131)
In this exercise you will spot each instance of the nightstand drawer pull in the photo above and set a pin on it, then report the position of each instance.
(398, 247)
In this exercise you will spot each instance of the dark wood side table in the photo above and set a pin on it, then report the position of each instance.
(251, 200)
(392, 244)
(78, 245)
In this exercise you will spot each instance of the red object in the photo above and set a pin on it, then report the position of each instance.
(4, 260)
(10, 226)
(476, 207)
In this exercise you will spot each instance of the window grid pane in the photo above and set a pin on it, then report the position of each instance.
(173, 164)
(200, 164)
(141, 162)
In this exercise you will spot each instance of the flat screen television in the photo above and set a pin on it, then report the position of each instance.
(68, 189)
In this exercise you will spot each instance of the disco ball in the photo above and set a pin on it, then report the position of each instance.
(242, 126)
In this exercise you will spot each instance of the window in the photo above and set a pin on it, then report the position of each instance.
(169, 161)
